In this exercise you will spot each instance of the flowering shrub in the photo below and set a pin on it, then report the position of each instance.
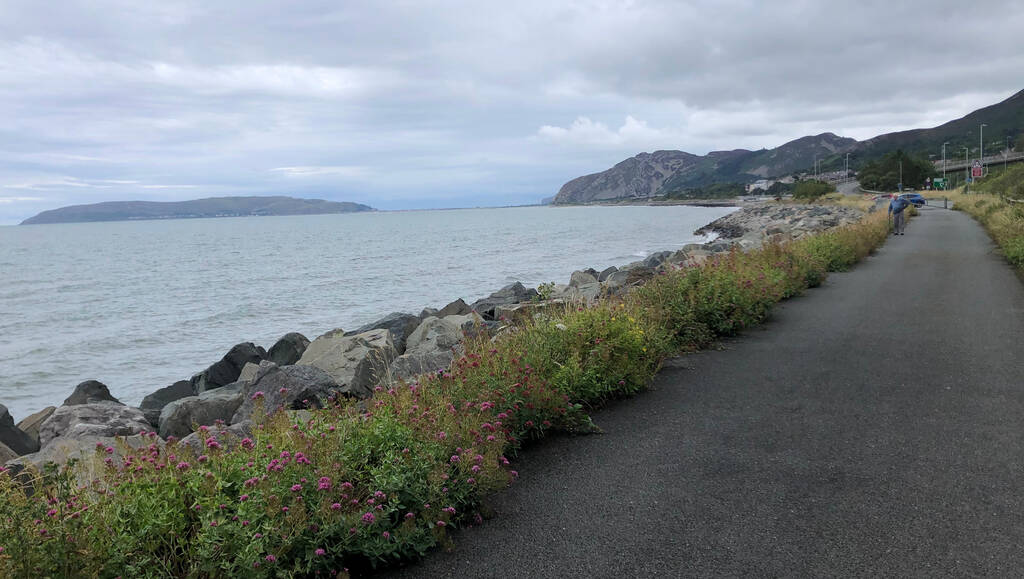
(361, 484)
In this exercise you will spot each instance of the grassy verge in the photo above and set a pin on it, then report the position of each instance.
(360, 485)
(1004, 221)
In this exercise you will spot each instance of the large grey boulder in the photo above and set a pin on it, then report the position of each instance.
(579, 278)
(31, 423)
(227, 369)
(177, 417)
(433, 345)
(589, 292)
(456, 308)
(96, 419)
(520, 313)
(357, 363)
(411, 364)
(13, 437)
(250, 371)
(399, 324)
(511, 294)
(437, 334)
(288, 349)
(83, 448)
(154, 403)
(657, 258)
(288, 388)
(89, 392)
(6, 454)
(607, 272)
(617, 279)
(472, 323)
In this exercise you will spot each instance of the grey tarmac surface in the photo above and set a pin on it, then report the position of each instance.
(872, 427)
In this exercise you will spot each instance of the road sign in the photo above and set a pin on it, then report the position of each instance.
(976, 168)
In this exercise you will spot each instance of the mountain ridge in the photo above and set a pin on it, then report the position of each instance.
(192, 209)
(642, 176)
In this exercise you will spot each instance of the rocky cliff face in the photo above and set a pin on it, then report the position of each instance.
(637, 177)
(665, 172)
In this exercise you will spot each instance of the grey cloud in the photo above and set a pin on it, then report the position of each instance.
(399, 103)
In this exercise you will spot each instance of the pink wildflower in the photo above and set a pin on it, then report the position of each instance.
(369, 518)
(320, 552)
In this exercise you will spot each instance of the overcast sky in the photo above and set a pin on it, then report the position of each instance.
(417, 103)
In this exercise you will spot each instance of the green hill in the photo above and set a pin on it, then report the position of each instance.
(210, 207)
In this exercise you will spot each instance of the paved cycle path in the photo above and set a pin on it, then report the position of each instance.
(873, 427)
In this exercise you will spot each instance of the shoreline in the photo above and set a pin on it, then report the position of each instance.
(131, 378)
(746, 229)
(516, 385)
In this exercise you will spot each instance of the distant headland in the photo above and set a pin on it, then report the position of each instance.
(197, 208)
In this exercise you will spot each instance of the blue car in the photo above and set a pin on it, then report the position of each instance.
(915, 199)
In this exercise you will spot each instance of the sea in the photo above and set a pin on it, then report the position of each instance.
(139, 305)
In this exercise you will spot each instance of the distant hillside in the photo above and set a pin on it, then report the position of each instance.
(211, 207)
(679, 174)
(676, 172)
(1002, 120)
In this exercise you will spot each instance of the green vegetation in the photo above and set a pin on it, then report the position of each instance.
(1000, 209)
(710, 191)
(884, 174)
(808, 191)
(778, 188)
(1009, 183)
(364, 484)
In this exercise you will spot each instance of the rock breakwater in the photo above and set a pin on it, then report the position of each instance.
(296, 373)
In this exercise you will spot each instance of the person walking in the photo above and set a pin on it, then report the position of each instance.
(896, 207)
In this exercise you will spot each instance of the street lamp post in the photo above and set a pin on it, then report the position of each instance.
(981, 145)
(944, 161)
(967, 169)
(847, 172)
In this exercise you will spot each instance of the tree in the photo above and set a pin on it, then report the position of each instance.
(811, 190)
(884, 174)
(778, 189)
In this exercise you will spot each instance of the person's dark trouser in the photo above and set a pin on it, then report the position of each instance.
(897, 222)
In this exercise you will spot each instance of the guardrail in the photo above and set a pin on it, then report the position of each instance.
(955, 165)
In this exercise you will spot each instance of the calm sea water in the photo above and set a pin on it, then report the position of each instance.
(139, 305)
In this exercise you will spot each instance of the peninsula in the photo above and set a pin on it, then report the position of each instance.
(209, 207)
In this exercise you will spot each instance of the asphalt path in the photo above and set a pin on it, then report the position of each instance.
(872, 427)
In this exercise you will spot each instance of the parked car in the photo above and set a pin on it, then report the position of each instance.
(914, 198)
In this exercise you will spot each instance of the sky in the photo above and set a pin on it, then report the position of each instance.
(411, 104)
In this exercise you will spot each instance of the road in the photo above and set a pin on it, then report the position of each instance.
(873, 427)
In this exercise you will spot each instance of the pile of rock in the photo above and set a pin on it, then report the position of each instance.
(298, 374)
(752, 225)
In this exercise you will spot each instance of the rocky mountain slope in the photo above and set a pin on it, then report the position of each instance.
(210, 207)
(671, 172)
(678, 173)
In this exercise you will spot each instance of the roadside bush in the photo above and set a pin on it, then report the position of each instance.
(810, 190)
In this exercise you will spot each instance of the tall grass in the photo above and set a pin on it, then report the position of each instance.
(1004, 221)
(362, 484)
